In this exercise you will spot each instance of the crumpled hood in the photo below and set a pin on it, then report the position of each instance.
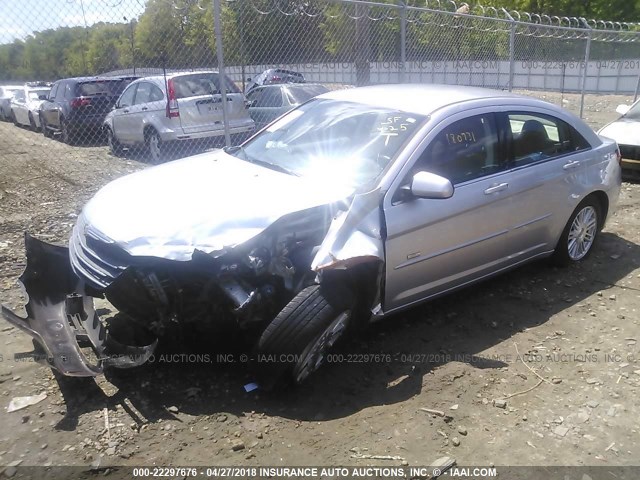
(624, 131)
(207, 202)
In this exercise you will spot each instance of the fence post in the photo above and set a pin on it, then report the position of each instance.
(587, 53)
(512, 48)
(217, 26)
(403, 40)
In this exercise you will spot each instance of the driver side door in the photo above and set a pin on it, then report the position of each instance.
(435, 245)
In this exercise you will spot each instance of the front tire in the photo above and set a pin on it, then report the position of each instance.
(114, 145)
(580, 234)
(67, 136)
(297, 340)
(32, 123)
(45, 129)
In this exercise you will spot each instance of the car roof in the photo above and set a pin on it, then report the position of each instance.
(418, 98)
(177, 74)
(97, 79)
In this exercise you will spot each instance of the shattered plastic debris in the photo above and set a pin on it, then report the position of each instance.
(18, 403)
(250, 387)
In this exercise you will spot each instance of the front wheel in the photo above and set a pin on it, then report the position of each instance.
(67, 136)
(114, 145)
(32, 123)
(296, 342)
(45, 128)
(580, 234)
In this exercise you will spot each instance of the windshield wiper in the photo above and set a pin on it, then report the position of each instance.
(245, 156)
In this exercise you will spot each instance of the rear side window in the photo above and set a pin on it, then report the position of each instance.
(537, 137)
(54, 89)
(302, 94)
(199, 84)
(463, 151)
(271, 97)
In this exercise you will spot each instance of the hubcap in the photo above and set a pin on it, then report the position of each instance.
(582, 233)
(314, 355)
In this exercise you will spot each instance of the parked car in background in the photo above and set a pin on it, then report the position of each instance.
(159, 112)
(25, 104)
(268, 102)
(76, 107)
(349, 208)
(626, 132)
(6, 94)
(273, 76)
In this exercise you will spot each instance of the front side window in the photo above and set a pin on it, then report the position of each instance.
(464, 150)
(333, 141)
(143, 93)
(126, 100)
(538, 137)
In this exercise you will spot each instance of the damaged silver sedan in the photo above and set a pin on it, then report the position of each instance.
(353, 206)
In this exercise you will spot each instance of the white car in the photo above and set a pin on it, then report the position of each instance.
(626, 132)
(6, 93)
(155, 112)
(25, 105)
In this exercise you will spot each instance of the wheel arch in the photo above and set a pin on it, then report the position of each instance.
(603, 201)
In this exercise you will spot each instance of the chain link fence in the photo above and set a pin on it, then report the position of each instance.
(159, 92)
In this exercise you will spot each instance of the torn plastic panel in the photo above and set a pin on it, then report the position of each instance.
(62, 320)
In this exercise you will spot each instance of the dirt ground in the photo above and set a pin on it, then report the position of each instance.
(571, 395)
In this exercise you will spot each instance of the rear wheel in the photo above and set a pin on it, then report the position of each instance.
(580, 234)
(155, 147)
(297, 340)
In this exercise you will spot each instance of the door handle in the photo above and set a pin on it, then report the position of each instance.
(496, 188)
(144, 109)
(570, 165)
(125, 111)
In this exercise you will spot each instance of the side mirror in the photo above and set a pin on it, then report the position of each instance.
(42, 97)
(622, 109)
(430, 185)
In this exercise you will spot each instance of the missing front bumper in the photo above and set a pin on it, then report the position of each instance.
(62, 320)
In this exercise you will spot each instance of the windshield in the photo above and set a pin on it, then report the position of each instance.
(333, 141)
(634, 112)
(198, 84)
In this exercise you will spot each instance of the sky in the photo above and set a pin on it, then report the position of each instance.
(19, 18)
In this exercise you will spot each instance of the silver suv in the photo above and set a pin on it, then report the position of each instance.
(155, 111)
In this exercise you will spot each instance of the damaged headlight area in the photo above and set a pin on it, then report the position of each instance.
(244, 286)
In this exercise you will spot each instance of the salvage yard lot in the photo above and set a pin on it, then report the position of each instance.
(560, 346)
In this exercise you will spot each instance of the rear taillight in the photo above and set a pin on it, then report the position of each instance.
(619, 155)
(276, 78)
(172, 101)
(80, 102)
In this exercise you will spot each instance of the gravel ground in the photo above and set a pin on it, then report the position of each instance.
(560, 345)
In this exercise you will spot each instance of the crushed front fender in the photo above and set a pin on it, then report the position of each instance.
(62, 320)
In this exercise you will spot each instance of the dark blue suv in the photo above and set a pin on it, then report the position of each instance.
(76, 107)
